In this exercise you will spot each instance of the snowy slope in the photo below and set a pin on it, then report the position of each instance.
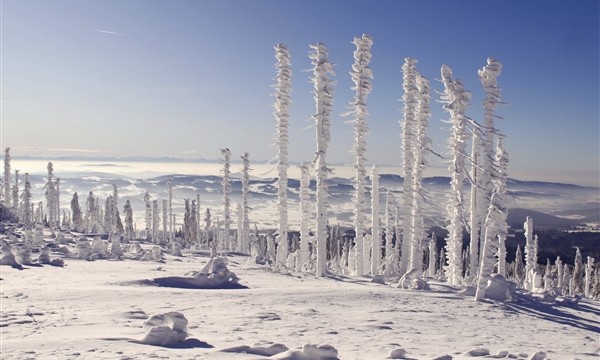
(96, 310)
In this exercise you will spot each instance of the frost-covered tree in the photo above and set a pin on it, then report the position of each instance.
(589, 272)
(114, 210)
(305, 205)
(165, 220)
(15, 196)
(283, 100)
(422, 144)
(530, 253)
(226, 161)
(128, 213)
(375, 236)
(76, 215)
(170, 192)
(323, 95)
(488, 75)
(391, 260)
(558, 264)
(361, 75)
(244, 236)
(455, 99)
(408, 138)
(26, 203)
(51, 197)
(432, 255)
(475, 203)
(6, 180)
(148, 215)
(577, 282)
(495, 222)
(155, 221)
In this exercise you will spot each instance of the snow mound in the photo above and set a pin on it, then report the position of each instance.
(412, 281)
(477, 352)
(8, 258)
(269, 349)
(498, 288)
(165, 329)
(309, 352)
(539, 355)
(398, 353)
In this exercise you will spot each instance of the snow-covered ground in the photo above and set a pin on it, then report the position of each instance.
(96, 310)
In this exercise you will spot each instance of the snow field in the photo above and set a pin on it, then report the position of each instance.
(97, 309)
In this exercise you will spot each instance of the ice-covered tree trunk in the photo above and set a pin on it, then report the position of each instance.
(577, 283)
(375, 236)
(6, 180)
(455, 99)
(283, 100)
(90, 212)
(148, 215)
(76, 215)
(474, 210)
(589, 272)
(432, 255)
(170, 199)
(502, 255)
(27, 205)
(361, 75)
(243, 246)
(305, 206)
(240, 230)
(422, 144)
(128, 212)
(495, 223)
(226, 161)
(198, 222)
(323, 95)
(488, 76)
(530, 253)
(114, 210)
(408, 137)
(390, 222)
(558, 264)
(15, 196)
(165, 220)
(155, 221)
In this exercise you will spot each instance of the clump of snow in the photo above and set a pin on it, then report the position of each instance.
(99, 247)
(84, 249)
(176, 249)
(412, 281)
(309, 352)
(44, 257)
(443, 357)
(22, 253)
(216, 270)
(498, 288)
(398, 353)
(477, 352)
(154, 255)
(261, 349)
(165, 329)
(539, 355)
(115, 247)
(135, 247)
(8, 258)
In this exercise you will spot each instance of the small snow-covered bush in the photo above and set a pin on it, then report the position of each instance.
(165, 329)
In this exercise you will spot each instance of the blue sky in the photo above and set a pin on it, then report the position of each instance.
(185, 78)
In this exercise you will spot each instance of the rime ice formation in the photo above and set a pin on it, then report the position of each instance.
(323, 95)
(309, 352)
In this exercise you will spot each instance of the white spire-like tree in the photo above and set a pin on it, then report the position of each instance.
(226, 183)
(408, 137)
(76, 215)
(391, 261)
(305, 205)
(51, 197)
(26, 203)
(244, 244)
(375, 236)
(155, 221)
(283, 100)
(148, 215)
(475, 213)
(15, 196)
(432, 255)
(323, 95)
(128, 213)
(6, 180)
(495, 222)
(361, 75)
(530, 253)
(165, 220)
(455, 99)
(170, 193)
(422, 144)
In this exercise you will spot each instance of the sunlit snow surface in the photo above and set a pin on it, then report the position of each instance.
(97, 310)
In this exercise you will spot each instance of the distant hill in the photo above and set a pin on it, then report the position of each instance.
(517, 216)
